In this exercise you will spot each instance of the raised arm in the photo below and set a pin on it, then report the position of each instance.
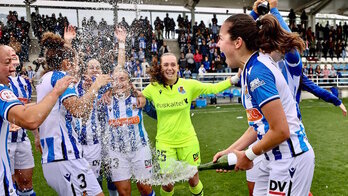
(121, 35)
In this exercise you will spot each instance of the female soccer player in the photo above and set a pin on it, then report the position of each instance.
(89, 128)
(128, 148)
(127, 145)
(64, 168)
(271, 110)
(19, 147)
(172, 96)
(13, 111)
(291, 68)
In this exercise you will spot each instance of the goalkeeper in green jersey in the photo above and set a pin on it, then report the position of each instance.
(176, 138)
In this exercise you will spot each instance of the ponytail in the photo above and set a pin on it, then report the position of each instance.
(266, 34)
(272, 37)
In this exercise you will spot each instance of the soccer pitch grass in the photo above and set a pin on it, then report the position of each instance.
(217, 128)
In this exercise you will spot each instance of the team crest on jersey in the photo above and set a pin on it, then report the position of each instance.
(195, 157)
(256, 83)
(181, 90)
(7, 95)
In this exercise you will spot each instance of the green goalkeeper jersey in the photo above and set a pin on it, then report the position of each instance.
(173, 103)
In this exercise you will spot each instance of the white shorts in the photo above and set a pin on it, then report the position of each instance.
(291, 176)
(253, 173)
(71, 177)
(21, 156)
(92, 153)
(125, 165)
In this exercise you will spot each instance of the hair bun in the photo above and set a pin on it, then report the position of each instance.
(51, 40)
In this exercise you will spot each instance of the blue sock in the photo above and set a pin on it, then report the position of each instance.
(152, 193)
(29, 192)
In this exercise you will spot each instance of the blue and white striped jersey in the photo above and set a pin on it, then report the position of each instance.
(89, 130)
(7, 100)
(124, 121)
(58, 138)
(262, 82)
(22, 89)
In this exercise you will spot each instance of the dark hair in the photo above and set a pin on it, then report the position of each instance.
(155, 71)
(56, 51)
(265, 34)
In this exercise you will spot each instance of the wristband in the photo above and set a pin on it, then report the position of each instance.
(250, 154)
(121, 45)
(234, 79)
(232, 159)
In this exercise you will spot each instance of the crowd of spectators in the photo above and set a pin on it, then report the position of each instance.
(145, 44)
(199, 51)
(15, 33)
(325, 41)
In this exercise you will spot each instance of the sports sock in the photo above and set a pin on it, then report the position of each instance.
(29, 192)
(165, 193)
(197, 190)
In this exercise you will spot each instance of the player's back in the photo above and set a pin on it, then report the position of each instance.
(57, 137)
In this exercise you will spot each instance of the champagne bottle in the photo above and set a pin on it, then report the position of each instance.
(226, 162)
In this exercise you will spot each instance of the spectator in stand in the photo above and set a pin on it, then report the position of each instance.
(292, 17)
(204, 48)
(312, 47)
(207, 64)
(190, 60)
(182, 41)
(319, 49)
(138, 72)
(31, 73)
(310, 71)
(198, 60)
(154, 49)
(172, 27)
(187, 73)
(144, 67)
(333, 73)
(141, 54)
(164, 49)
(318, 71)
(338, 48)
(182, 62)
(166, 22)
(304, 20)
(212, 47)
(304, 69)
(201, 71)
(142, 41)
(159, 36)
(325, 45)
(326, 73)
(219, 65)
(331, 45)
(344, 50)
(134, 54)
(124, 23)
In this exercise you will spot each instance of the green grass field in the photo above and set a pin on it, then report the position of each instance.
(217, 128)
